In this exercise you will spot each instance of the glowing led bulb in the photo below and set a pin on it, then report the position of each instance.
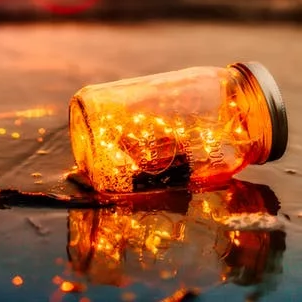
(238, 130)
(233, 104)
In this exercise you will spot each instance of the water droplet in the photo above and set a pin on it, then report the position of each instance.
(38, 182)
(290, 171)
(36, 174)
(42, 152)
(42, 131)
(15, 135)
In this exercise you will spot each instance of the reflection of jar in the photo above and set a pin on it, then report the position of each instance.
(202, 123)
(103, 244)
(192, 247)
(252, 256)
(233, 198)
(247, 256)
(96, 244)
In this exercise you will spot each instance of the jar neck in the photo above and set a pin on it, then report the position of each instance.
(255, 115)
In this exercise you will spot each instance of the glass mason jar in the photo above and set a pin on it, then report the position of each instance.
(201, 124)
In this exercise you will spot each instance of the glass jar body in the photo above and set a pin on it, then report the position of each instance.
(200, 124)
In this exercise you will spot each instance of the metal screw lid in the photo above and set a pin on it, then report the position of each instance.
(275, 105)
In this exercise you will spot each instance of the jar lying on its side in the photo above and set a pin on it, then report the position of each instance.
(201, 124)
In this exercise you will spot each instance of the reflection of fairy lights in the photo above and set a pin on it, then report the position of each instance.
(66, 286)
(234, 236)
(34, 113)
(109, 245)
(20, 116)
(67, 7)
(105, 243)
(15, 135)
(17, 281)
(28, 113)
(41, 131)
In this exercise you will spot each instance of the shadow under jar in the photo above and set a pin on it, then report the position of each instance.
(199, 125)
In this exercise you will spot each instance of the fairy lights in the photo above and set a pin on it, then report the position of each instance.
(148, 145)
(199, 124)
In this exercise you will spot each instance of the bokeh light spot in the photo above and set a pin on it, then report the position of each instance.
(66, 7)
(17, 281)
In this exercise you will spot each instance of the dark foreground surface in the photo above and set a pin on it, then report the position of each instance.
(100, 251)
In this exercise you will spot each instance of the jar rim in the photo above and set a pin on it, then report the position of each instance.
(275, 103)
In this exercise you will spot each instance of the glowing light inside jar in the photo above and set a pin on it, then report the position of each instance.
(233, 104)
(239, 130)
(129, 143)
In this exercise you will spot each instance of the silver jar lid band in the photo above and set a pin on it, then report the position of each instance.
(275, 105)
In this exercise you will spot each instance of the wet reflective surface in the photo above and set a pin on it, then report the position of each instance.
(239, 242)
(192, 245)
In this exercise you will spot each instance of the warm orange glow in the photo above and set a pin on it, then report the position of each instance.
(239, 130)
(17, 281)
(84, 299)
(57, 280)
(28, 113)
(18, 122)
(128, 297)
(34, 113)
(38, 182)
(155, 240)
(236, 242)
(67, 286)
(118, 231)
(160, 121)
(36, 174)
(166, 275)
(177, 296)
(42, 152)
(15, 135)
(233, 104)
(100, 241)
(2, 131)
(152, 242)
(234, 237)
(42, 131)
(206, 207)
(147, 126)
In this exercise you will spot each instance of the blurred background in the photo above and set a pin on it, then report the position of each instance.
(138, 9)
